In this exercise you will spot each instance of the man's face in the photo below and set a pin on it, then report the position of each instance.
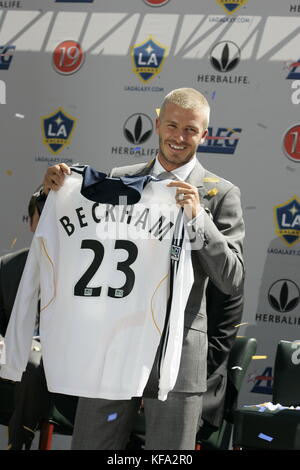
(180, 132)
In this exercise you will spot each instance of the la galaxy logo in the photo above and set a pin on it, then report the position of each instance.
(57, 129)
(148, 59)
(287, 221)
(231, 6)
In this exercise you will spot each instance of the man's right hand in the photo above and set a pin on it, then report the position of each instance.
(55, 176)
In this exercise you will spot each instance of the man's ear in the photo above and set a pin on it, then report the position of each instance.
(157, 124)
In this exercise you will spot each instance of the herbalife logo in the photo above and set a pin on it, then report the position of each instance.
(138, 128)
(225, 56)
(284, 295)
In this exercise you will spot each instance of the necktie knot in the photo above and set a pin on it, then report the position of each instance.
(166, 175)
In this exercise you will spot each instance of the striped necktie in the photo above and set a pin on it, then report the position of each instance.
(166, 175)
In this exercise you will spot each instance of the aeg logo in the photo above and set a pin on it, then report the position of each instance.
(224, 141)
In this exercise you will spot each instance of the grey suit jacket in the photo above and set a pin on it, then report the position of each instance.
(220, 259)
(224, 312)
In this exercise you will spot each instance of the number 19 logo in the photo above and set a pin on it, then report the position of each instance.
(68, 57)
(291, 143)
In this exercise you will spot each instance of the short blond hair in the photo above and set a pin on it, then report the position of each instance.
(188, 98)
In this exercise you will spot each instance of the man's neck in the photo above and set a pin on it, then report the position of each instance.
(181, 172)
(169, 166)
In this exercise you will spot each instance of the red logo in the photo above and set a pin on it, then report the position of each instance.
(68, 57)
(156, 3)
(291, 143)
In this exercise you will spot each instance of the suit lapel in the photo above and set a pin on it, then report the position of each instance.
(146, 170)
(195, 178)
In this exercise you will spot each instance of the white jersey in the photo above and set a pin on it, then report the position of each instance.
(103, 272)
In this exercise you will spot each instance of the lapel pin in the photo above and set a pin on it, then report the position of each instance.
(211, 179)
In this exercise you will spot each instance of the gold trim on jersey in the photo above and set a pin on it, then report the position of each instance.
(54, 285)
(152, 311)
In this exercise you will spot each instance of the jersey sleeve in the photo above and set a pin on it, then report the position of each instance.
(18, 338)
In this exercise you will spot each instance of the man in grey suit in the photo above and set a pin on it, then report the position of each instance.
(214, 222)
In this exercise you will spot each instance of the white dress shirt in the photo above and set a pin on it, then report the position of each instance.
(182, 173)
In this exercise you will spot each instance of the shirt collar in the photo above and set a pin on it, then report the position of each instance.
(181, 172)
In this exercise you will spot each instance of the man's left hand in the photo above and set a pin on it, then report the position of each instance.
(187, 196)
